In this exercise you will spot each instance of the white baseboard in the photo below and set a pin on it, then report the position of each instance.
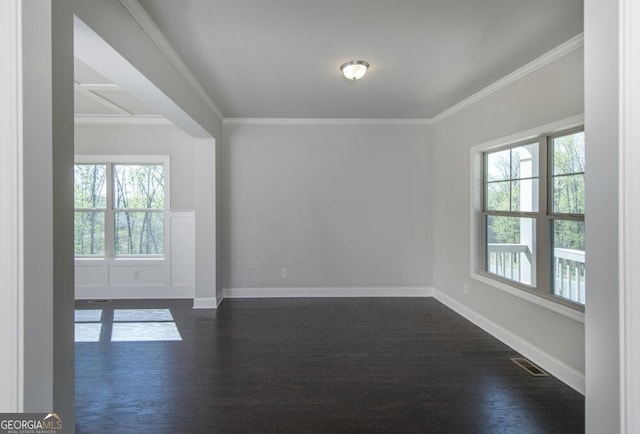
(565, 373)
(92, 292)
(206, 302)
(401, 291)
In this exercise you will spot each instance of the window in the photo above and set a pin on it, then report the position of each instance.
(90, 198)
(119, 209)
(533, 215)
(138, 209)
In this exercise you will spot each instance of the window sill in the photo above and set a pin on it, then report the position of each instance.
(569, 312)
(122, 261)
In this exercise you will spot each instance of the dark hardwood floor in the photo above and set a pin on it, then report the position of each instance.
(306, 366)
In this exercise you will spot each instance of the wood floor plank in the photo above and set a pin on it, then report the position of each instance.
(362, 365)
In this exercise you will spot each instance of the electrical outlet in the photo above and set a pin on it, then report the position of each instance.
(284, 273)
(136, 274)
(466, 288)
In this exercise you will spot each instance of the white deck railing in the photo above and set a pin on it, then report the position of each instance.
(570, 274)
(506, 260)
(513, 261)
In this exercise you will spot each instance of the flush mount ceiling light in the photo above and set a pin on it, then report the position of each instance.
(354, 70)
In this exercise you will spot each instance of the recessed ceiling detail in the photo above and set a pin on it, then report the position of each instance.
(98, 99)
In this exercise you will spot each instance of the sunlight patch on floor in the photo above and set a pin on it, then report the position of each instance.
(141, 315)
(88, 315)
(145, 331)
(128, 325)
(88, 332)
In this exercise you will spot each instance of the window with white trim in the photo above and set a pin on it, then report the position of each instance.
(120, 208)
(532, 215)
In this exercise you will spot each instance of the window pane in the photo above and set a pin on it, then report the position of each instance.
(525, 161)
(568, 194)
(90, 186)
(568, 154)
(520, 165)
(89, 233)
(499, 165)
(524, 195)
(517, 196)
(138, 186)
(569, 260)
(498, 196)
(510, 250)
(139, 233)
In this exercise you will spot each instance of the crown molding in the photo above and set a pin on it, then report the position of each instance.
(325, 121)
(560, 51)
(121, 120)
(151, 29)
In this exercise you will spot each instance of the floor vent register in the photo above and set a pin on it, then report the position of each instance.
(528, 366)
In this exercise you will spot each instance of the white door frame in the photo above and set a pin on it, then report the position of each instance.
(629, 216)
(11, 279)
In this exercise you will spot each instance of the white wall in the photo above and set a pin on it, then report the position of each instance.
(174, 276)
(220, 254)
(550, 94)
(10, 185)
(602, 119)
(207, 240)
(337, 205)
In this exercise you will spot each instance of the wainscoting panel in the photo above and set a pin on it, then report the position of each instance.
(170, 277)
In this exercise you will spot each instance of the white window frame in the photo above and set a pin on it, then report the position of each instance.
(110, 210)
(549, 301)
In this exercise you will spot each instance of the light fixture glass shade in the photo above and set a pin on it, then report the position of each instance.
(355, 69)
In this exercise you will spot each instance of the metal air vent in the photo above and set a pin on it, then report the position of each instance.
(528, 366)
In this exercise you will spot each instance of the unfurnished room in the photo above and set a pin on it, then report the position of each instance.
(319, 217)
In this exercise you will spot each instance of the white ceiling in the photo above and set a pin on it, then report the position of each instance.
(95, 95)
(280, 58)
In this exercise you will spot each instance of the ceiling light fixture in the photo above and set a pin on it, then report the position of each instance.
(354, 70)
